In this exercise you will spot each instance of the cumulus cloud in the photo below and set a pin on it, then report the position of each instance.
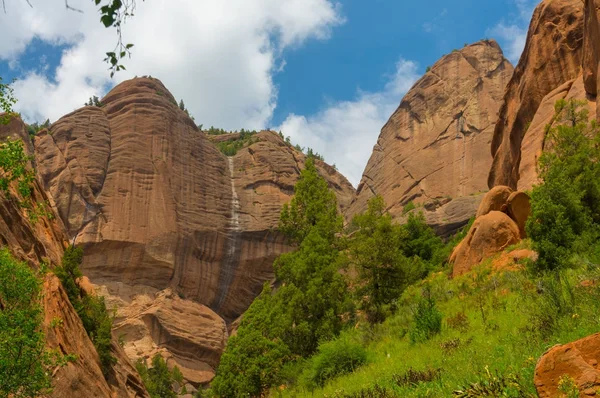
(513, 35)
(218, 56)
(345, 131)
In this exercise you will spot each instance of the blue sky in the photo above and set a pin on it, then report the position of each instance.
(327, 73)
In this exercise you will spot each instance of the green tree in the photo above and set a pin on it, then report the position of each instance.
(309, 304)
(23, 360)
(313, 205)
(376, 248)
(565, 207)
(159, 379)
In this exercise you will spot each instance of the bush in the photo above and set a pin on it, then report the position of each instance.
(91, 309)
(427, 320)
(335, 358)
(23, 360)
(408, 207)
(158, 379)
(565, 208)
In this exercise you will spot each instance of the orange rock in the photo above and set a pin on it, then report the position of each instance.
(489, 234)
(518, 208)
(86, 287)
(495, 200)
(552, 56)
(436, 144)
(591, 40)
(578, 360)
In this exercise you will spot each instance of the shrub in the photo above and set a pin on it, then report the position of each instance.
(23, 360)
(494, 385)
(460, 321)
(335, 358)
(427, 320)
(158, 379)
(408, 207)
(413, 377)
(91, 309)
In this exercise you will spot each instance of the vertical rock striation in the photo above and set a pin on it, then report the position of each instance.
(436, 145)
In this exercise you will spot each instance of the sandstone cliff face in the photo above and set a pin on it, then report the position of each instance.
(551, 58)
(45, 240)
(436, 145)
(159, 209)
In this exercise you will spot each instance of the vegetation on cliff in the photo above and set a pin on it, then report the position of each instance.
(92, 311)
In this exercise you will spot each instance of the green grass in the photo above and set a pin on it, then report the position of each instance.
(503, 335)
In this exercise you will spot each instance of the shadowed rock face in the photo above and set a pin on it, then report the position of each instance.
(436, 145)
(45, 240)
(156, 206)
(551, 58)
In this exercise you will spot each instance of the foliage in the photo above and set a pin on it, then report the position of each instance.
(413, 377)
(94, 101)
(91, 309)
(314, 155)
(36, 127)
(494, 385)
(313, 206)
(565, 207)
(159, 379)
(309, 304)
(408, 207)
(427, 318)
(13, 163)
(384, 269)
(24, 363)
(7, 100)
(231, 147)
(334, 358)
(114, 13)
(215, 131)
(568, 387)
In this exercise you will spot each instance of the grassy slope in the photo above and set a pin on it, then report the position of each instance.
(508, 342)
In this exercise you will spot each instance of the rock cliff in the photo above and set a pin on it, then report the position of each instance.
(44, 240)
(552, 57)
(435, 146)
(160, 211)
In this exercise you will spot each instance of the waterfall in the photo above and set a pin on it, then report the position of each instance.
(232, 246)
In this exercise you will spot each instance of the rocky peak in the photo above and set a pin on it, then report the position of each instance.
(436, 144)
(157, 206)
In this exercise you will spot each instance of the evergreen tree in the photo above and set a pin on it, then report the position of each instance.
(307, 307)
(565, 207)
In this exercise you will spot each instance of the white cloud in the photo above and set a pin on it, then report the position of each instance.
(219, 56)
(345, 132)
(513, 35)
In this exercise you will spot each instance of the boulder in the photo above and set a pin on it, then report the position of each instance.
(489, 234)
(577, 360)
(495, 200)
(518, 208)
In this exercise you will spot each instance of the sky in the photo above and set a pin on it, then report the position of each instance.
(326, 73)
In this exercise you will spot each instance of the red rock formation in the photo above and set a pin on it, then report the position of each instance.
(552, 57)
(591, 43)
(500, 222)
(490, 234)
(578, 360)
(156, 205)
(435, 145)
(45, 240)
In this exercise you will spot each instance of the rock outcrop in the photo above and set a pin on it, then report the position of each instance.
(436, 145)
(43, 239)
(577, 360)
(551, 58)
(157, 206)
(500, 222)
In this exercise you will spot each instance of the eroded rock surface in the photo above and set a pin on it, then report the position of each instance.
(156, 206)
(578, 360)
(552, 57)
(436, 145)
(500, 222)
